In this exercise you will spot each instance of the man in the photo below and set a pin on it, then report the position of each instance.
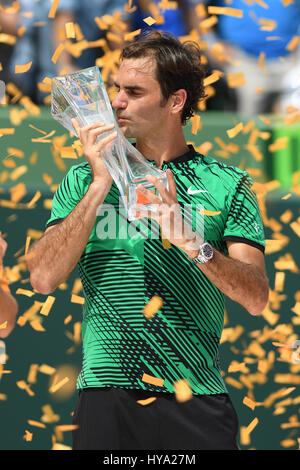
(127, 357)
(8, 304)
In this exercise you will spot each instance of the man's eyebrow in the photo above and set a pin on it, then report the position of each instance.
(130, 87)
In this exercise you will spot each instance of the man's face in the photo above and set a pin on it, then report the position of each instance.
(139, 102)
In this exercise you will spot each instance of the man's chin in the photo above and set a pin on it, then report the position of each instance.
(126, 131)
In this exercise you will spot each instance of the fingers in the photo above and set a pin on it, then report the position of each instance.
(172, 185)
(93, 133)
(167, 196)
(76, 126)
(88, 134)
(149, 194)
(105, 141)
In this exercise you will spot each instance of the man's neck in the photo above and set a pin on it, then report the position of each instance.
(165, 149)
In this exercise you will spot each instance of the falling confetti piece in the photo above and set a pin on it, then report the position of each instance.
(36, 423)
(183, 391)
(235, 130)
(149, 379)
(76, 299)
(53, 8)
(149, 20)
(248, 402)
(57, 53)
(59, 385)
(45, 369)
(7, 131)
(70, 30)
(147, 401)
(36, 325)
(28, 436)
(47, 305)
(23, 68)
(151, 308)
(291, 46)
(130, 36)
(235, 80)
(212, 10)
(209, 213)
(58, 446)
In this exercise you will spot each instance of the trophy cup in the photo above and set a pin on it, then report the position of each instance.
(82, 95)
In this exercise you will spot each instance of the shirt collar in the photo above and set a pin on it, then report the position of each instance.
(189, 155)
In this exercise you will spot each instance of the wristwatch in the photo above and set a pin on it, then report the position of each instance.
(206, 253)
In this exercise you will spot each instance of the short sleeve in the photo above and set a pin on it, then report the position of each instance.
(244, 223)
(68, 195)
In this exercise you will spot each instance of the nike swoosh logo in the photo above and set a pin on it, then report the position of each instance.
(195, 191)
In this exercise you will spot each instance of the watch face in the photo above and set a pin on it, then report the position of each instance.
(207, 250)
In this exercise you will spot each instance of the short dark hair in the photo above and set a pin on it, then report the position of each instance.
(178, 65)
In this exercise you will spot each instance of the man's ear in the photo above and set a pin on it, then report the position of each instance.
(178, 101)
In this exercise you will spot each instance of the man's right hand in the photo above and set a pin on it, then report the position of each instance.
(92, 150)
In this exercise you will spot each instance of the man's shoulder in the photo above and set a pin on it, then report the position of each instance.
(227, 173)
(81, 171)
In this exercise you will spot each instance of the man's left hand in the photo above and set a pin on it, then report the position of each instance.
(168, 215)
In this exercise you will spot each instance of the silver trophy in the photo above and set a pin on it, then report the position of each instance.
(82, 95)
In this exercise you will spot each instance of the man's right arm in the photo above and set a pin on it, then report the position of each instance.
(51, 259)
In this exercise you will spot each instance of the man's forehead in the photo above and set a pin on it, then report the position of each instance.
(142, 67)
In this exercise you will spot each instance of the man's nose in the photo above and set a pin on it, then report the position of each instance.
(119, 102)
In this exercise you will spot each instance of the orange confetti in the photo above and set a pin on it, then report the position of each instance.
(154, 304)
(196, 124)
(235, 130)
(291, 46)
(23, 68)
(149, 379)
(235, 80)
(67, 319)
(53, 8)
(28, 293)
(261, 59)
(57, 53)
(59, 385)
(3, 325)
(47, 305)
(76, 299)
(147, 401)
(68, 152)
(28, 436)
(248, 402)
(183, 391)
(35, 198)
(213, 78)
(7, 131)
(212, 10)
(45, 369)
(36, 325)
(70, 30)
(149, 20)
(209, 213)
(36, 423)
(132, 35)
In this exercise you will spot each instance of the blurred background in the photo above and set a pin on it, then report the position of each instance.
(250, 119)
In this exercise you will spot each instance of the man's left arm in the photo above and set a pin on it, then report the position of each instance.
(241, 275)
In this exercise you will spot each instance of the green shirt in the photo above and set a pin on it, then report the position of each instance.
(125, 264)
